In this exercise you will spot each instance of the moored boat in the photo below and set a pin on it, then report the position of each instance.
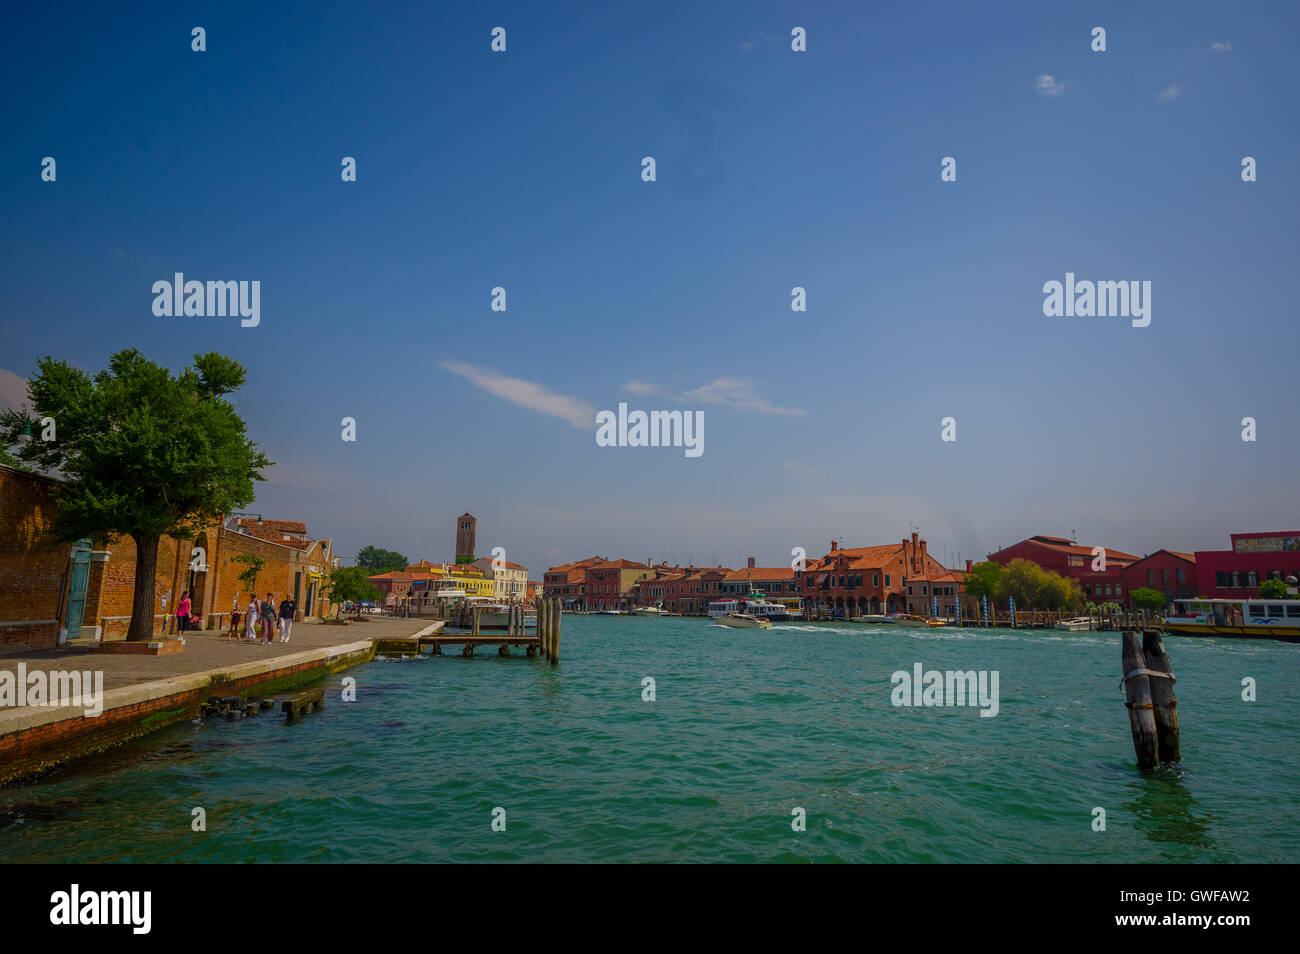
(1079, 624)
(756, 604)
(649, 611)
(874, 618)
(1249, 619)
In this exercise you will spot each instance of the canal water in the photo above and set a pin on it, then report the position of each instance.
(745, 727)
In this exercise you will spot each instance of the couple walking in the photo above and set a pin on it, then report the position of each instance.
(262, 616)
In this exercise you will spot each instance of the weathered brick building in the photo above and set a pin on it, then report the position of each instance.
(51, 590)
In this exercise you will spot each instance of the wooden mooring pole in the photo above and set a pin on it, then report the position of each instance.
(1163, 697)
(1149, 695)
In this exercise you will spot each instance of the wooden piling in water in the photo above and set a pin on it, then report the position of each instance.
(1137, 692)
(555, 637)
(1163, 698)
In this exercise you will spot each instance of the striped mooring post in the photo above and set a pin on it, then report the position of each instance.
(1011, 601)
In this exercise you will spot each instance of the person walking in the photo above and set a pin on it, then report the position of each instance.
(234, 618)
(183, 612)
(254, 616)
(287, 609)
(268, 617)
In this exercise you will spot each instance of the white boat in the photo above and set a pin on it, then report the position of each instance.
(1254, 618)
(744, 621)
(756, 604)
(1079, 624)
(494, 615)
(876, 619)
(609, 612)
(649, 611)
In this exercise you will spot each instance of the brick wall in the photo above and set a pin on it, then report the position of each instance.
(33, 567)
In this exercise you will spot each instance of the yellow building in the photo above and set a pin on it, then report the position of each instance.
(466, 576)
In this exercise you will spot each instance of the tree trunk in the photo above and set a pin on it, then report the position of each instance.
(142, 601)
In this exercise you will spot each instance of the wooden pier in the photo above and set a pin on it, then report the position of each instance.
(546, 637)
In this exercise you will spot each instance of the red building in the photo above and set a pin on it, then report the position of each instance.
(1165, 571)
(1070, 559)
(1254, 557)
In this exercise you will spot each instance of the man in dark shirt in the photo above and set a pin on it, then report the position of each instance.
(287, 609)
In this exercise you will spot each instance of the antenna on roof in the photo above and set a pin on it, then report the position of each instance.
(1074, 536)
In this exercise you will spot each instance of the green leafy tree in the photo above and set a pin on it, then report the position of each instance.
(1148, 599)
(983, 579)
(377, 560)
(349, 584)
(141, 453)
(1272, 590)
(254, 564)
(1034, 588)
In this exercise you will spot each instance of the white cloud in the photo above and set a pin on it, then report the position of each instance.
(640, 387)
(1048, 86)
(1220, 47)
(527, 394)
(737, 393)
(1173, 92)
(13, 390)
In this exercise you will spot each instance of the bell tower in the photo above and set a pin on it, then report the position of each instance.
(465, 531)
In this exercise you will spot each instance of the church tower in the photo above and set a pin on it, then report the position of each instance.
(465, 525)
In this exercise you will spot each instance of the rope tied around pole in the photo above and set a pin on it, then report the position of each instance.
(1147, 672)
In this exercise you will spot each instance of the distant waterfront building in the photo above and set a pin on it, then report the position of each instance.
(1165, 571)
(510, 580)
(568, 582)
(1073, 560)
(610, 585)
(466, 526)
(774, 581)
(1254, 558)
(856, 581)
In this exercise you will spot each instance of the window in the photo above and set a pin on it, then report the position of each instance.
(1220, 578)
(887, 579)
(875, 579)
(1182, 576)
(1151, 576)
(1293, 611)
(1276, 610)
(1256, 609)
(1164, 576)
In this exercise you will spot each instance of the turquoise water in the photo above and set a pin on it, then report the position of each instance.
(746, 726)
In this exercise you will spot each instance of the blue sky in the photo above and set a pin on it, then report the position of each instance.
(775, 169)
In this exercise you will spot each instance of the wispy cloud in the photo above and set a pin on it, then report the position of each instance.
(1173, 92)
(1220, 46)
(738, 393)
(535, 397)
(640, 387)
(1048, 86)
(799, 467)
(13, 390)
(750, 45)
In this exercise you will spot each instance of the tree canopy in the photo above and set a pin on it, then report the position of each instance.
(983, 579)
(1146, 598)
(378, 560)
(140, 452)
(1033, 587)
(349, 584)
(1272, 590)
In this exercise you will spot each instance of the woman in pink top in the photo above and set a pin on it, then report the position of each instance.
(183, 613)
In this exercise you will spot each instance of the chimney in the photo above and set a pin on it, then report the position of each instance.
(923, 554)
(834, 546)
(968, 566)
(751, 563)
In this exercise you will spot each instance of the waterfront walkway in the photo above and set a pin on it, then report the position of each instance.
(208, 650)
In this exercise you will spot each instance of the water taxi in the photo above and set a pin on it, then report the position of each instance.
(911, 619)
(1079, 624)
(1251, 619)
(649, 611)
(878, 619)
(744, 621)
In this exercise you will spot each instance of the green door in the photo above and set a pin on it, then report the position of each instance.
(77, 587)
